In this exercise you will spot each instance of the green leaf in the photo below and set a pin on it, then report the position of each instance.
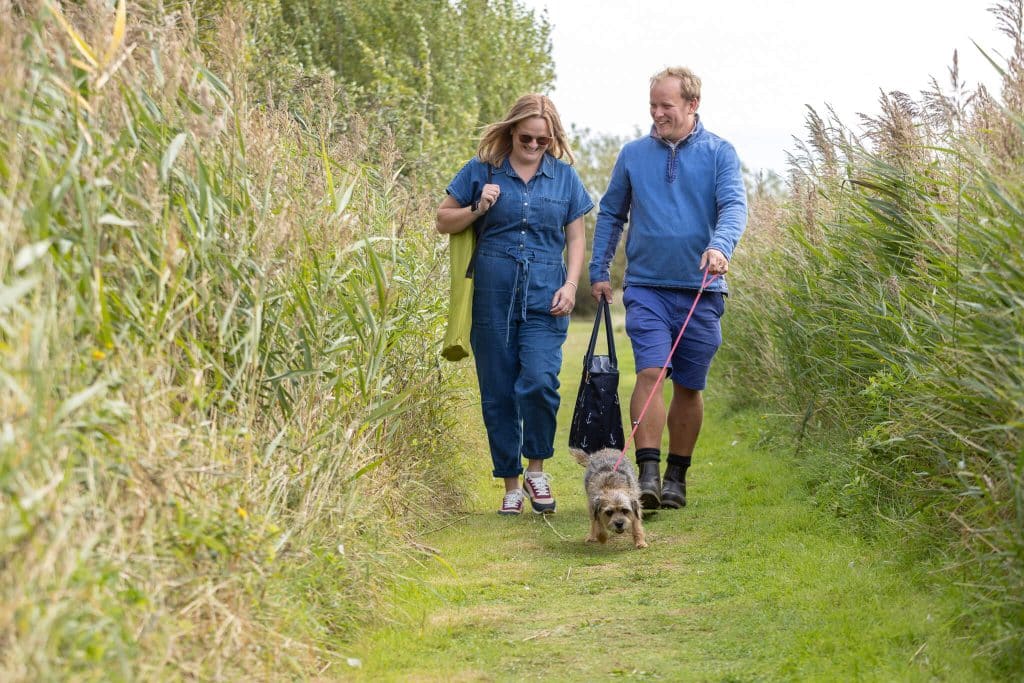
(170, 155)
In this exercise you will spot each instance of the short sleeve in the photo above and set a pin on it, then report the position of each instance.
(467, 182)
(580, 202)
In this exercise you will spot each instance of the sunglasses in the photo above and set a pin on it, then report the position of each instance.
(542, 140)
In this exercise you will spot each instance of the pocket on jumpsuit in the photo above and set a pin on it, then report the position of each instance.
(492, 288)
(545, 280)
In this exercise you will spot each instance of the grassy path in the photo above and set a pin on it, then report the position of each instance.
(749, 582)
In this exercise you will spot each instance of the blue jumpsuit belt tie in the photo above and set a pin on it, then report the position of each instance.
(520, 286)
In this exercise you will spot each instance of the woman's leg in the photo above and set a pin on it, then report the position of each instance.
(536, 387)
(496, 368)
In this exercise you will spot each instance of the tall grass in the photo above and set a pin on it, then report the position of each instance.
(879, 305)
(220, 402)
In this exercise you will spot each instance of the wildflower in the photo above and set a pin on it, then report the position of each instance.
(98, 355)
(242, 512)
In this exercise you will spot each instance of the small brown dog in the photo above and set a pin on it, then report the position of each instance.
(613, 496)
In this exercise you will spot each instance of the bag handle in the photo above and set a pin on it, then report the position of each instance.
(603, 310)
(478, 226)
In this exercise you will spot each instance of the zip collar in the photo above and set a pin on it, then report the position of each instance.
(698, 129)
(674, 149)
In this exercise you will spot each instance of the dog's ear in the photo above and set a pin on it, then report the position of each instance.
(595, 507)
(580, 456)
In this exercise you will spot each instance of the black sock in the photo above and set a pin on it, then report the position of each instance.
(648, 455)
(683, 461)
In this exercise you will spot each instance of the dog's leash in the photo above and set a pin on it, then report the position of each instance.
(661, 375)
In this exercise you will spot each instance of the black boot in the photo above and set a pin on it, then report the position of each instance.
(673, 493)
(650, 485)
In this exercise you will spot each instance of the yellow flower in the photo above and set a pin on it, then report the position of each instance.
(242, 513)
(98, 355)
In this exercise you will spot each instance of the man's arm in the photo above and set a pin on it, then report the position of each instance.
(731, 200)
(611, 218)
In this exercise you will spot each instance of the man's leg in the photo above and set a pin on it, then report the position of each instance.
(648, 435)
(685, 416)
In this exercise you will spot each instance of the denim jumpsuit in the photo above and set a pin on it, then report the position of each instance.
(517, 343)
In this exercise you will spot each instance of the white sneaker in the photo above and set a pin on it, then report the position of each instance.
(512, 503)
(538, 488)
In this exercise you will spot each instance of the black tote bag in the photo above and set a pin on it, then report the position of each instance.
(597, 418)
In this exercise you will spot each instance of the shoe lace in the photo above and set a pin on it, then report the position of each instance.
(512, 499)
(540, 485)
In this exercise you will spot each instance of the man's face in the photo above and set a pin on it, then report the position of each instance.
(673, 116)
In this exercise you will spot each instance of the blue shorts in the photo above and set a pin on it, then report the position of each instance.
(654, 316)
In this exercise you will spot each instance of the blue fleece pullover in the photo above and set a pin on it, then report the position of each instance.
(680, 201)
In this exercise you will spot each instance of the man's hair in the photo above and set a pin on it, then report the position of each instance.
(689, 82)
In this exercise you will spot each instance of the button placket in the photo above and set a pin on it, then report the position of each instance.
(526, 211)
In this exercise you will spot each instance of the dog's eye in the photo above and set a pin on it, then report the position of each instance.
(609, 512)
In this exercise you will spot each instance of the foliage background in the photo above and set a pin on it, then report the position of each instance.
(877, 303)
(221, 405)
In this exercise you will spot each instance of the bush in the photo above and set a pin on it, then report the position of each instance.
(220, 389)
(879, 306)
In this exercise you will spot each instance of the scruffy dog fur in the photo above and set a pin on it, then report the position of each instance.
(613, 496)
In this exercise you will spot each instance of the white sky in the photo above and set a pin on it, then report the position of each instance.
(760, 61)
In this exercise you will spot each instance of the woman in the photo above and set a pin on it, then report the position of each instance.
(531, 206)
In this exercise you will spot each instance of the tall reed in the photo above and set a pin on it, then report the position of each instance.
(879, 307)
(220, 404)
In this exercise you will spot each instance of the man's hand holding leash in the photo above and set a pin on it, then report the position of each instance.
(714, 262)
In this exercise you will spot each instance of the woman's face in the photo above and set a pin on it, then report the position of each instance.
(530, 140)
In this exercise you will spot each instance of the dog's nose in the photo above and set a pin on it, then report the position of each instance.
(619, 526)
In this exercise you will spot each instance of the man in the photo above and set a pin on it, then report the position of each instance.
(681, 190)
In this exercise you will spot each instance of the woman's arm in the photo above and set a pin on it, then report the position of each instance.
(452, 218)
(575, 246)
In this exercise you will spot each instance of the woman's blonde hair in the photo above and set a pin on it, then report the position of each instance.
(689, 82)
(496, 142)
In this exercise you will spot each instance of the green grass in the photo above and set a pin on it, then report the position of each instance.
(749, 582)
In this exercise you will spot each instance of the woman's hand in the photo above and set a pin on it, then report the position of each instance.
(488, 197)
(564, 300)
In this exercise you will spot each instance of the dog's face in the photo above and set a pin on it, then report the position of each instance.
(613, 495)
(615, 510)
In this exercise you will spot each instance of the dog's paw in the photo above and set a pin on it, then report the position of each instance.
(590, 539)
(641, 544)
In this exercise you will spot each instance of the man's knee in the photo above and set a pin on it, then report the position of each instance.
(648, 376)
(686, 392)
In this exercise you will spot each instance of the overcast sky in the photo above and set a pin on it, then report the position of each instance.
(761, 62)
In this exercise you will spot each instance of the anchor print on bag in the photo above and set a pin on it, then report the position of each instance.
(597, 418)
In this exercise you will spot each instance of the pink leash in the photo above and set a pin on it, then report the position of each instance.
(661, 375)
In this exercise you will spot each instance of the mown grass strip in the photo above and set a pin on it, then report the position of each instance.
(751, 581)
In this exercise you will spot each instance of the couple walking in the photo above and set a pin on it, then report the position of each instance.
(681, 190)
